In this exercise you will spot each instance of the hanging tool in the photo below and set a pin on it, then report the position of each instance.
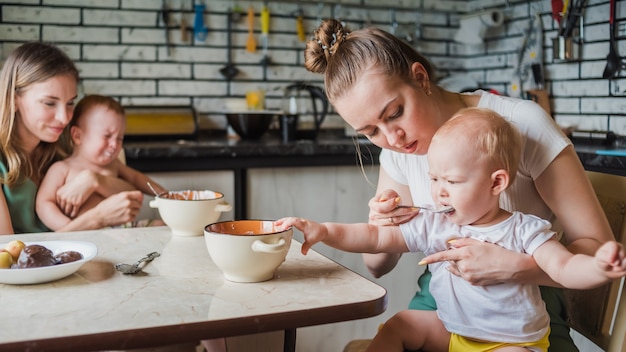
(184, 35)
(200, 31)
(613, 60)
(165, 17)
(229, 71)
(300, 24)
(251, 42)
(265, 31)
(557, 7)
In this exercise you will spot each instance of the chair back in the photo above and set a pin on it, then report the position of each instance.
(600, 314)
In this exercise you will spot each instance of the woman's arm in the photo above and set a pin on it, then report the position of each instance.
(566, 189)
(46, 206)
(6, 225)
(382, 208)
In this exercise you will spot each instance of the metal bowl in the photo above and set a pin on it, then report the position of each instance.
(251, 124)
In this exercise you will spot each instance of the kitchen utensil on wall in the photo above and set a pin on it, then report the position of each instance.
(165, 17)
(613, 60)
(300, 24)
(200, 31)
(251, 42)
(530, 53)
(297, 106)
(265, 31)
(184, 35)
(229, 71)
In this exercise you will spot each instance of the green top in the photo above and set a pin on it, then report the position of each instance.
(21, 202)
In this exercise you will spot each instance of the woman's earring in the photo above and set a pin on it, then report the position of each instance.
(427, 91)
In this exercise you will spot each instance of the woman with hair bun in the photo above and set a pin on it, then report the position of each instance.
(386, 91)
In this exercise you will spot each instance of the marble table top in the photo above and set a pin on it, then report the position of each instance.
(181, 296)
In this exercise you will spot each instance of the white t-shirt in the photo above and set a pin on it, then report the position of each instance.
(507, 312)
(542, 142)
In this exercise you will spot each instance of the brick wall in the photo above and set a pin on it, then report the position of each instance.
(119, 47)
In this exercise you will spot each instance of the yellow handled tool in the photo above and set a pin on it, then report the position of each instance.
(300, 27)
(265, 20)
(251, 42)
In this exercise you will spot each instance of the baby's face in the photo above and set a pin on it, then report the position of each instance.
(102, 134)
(459, 178)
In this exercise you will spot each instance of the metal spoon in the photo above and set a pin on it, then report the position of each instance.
(445, 209)
(154, 190)
(130, 269)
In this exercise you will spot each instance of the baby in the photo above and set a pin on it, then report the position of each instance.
(472, 159)
(93, 171)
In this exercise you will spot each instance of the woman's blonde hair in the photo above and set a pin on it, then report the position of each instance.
(28, 64)
(490, 136)
(343, 56)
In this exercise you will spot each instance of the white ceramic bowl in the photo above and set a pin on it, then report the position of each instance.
(187, 212)
(54, 272)
(247, 250)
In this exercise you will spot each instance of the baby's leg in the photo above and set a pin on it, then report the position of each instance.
(412, 330)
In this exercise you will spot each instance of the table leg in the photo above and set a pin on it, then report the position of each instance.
(290, 340)
(241, 193)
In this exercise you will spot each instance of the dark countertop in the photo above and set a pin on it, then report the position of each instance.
(332, 148)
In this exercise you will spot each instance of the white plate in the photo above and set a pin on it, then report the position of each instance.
(50, 273)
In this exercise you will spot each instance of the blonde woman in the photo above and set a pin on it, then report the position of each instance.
(386, 91)
(38, 88)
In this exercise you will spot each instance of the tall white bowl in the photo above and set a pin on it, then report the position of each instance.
(247, 250)
(187, 212)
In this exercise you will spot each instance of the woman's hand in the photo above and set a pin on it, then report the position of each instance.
(384, 209)
(482, 263)
(72, 195)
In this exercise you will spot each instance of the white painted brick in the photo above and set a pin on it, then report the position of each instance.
(156, 70)
(119, 52)
(120, 87)
(154, 101)
(194, 54)
(40, 14)
(71, 34)
(566, 105)
(204, 71)
(582, 122)
(20, 32)
(583, 88)
(603, 105)
(120, 18)
(191, 88)
(561, 70)
(144, 36)
(97, 70)
(151, 4)
(83, 3)
(485, 62)
(617, 124)
(24, 2)
(618, 87)
(592, 69)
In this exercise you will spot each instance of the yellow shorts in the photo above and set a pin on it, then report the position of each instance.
(466, 344)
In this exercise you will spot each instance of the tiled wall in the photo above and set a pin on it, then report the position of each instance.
(119, 46)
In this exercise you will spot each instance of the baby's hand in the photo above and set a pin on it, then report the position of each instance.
(313, 232)
(611, 258)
